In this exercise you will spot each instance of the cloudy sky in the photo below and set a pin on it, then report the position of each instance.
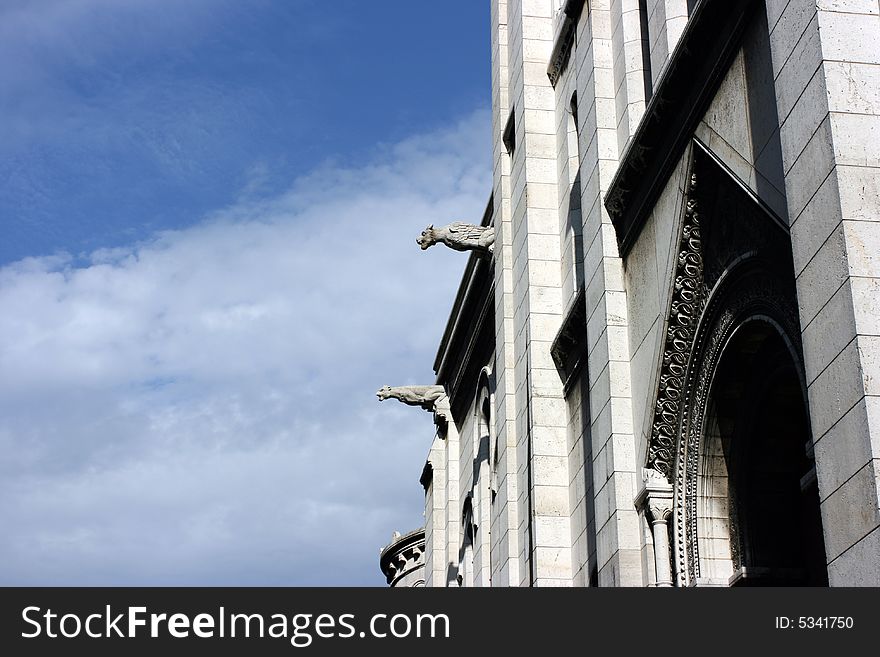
(207, 269)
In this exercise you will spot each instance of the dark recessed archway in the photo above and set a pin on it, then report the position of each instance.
(758, 516)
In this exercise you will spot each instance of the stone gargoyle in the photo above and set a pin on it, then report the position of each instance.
(461, 237)
(424, 396)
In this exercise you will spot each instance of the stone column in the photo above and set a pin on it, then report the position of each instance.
(448, 432)
(655, 498)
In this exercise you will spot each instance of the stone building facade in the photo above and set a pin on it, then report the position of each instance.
(666, 369)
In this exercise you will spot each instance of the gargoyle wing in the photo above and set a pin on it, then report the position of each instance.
(466, 232)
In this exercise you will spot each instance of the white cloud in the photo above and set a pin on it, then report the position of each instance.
(74, 66)
(199, 408)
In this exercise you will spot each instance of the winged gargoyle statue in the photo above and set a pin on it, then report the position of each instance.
(424, 396)
(461, 237)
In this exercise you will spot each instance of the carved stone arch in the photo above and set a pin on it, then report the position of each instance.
(747, 294)
(484, 408)
(733, 268)
(466, 575)
(486, 379)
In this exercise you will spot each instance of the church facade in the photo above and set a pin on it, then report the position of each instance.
(662, 367)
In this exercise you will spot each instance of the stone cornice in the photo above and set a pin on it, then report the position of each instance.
(569, 348)
(468, 340)
(689, 82)
(465, 290)
(564, 39)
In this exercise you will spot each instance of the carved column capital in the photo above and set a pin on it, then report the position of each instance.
(659, 508)
(655, 494)
(655, 499)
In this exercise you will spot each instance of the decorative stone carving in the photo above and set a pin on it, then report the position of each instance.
(683, 314)
(730, 268)
(424, 396)
(403, 560)
(740, 296)
(564, 40)
(656, 498)
(660, 509)
(653, 478)
(460, 237)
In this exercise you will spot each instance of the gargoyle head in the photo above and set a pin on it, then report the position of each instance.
(384, 393)
(427, 238)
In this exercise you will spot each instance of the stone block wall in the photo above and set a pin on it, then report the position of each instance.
(826, 67)
(544, 532)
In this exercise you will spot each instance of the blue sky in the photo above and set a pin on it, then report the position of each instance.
(122, 118)
(208, 267)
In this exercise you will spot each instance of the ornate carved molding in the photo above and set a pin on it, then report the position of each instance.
(732, 266)
(655, 496)
(750, 292)
(564, 41)
(679, 339)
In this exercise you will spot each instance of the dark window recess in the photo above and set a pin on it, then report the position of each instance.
(509, 134)
(427, 477)
(646, 48)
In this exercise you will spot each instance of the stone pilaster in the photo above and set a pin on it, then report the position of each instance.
(618, 540)
(448, 434)
(666, 22)
(433, 480)
(541, 430)
(826, 66)
(631, 67)
(506, 563)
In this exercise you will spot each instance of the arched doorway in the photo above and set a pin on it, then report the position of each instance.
(758, 517)
(729, 460)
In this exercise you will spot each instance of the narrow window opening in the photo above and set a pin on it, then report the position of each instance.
(646, 47)
(509, 134)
